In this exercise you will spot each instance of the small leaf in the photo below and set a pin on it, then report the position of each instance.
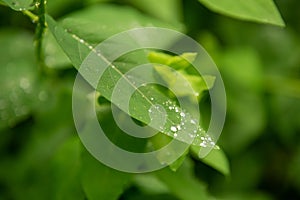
(216, 159)
(183, 61)
(177, 62)
(263, 11)
(198, 83)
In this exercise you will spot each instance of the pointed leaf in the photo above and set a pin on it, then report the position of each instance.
(216, 159)
(264, 11)
(141, 101)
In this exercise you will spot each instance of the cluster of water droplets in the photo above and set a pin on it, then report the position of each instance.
(187, 129)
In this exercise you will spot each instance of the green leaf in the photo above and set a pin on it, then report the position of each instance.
(114, 19)
(19, 5)
(246, 96)
(216, 159)
(54, 56)
(100, 181)
(17, 77)
(263, 11)
(65, 168)
(182, 63)
(167, 10)
(149, 183)
(183, 183)
(177, 62)
(175, 165)
(143, 99)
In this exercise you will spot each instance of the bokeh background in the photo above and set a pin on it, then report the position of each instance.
(260, 65)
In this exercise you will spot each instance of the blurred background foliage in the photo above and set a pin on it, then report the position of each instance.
(42, 157)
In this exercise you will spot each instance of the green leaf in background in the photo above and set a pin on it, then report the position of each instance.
(47, 166)
(86, 24)
(54, 56)
(114, 19)
(19, 5)
(100, 181)
(245, 94)
(17, 78)
(264, 11)
(182, 183)
(66, 166)
(167, 10)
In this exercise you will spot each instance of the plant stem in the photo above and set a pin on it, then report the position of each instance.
(40, 29)
(34, 18)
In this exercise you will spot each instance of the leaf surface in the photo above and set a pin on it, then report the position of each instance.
(263, 11)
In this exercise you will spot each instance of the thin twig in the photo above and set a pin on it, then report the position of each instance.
(40, 29)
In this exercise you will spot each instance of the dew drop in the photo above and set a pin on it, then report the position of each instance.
(203, 144)
(173, 128)
(182, 114)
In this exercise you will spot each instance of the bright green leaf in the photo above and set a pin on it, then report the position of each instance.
(216, 159)
(181, 62)
(264, 11)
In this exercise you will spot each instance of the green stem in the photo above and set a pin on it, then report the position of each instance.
(40, 29)
(34, 18)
